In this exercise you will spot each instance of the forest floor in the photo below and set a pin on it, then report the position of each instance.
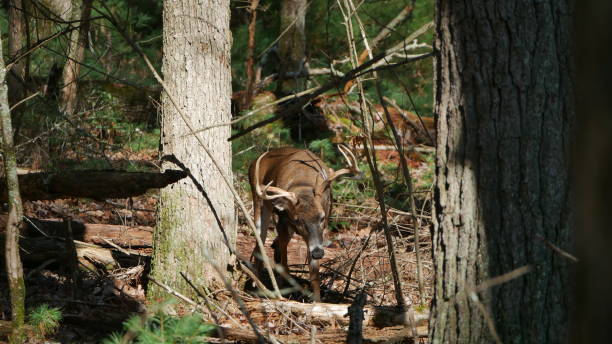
(101, 300)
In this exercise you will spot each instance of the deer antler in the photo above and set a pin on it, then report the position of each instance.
(278, 192)
(351, 160)
(352, 167)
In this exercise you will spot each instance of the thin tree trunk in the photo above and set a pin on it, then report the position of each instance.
(196, 68)
(14, 269)
(250, 89)
(76, 52)
(593, 168)
(504, 102)
(292, 45)
(16, 39)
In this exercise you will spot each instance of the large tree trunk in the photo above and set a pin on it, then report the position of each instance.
(16, 39)
(14, 269)
(505, 110)
(76, 51)
(593, 304)
(292, 45)
(196, 69)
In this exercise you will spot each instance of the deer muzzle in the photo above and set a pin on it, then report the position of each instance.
(317, 252)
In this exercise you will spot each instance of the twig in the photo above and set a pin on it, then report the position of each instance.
(350, 272)
(410, 38)
(237, 299)
(509, 276)
(25, 100)
(489, 320)
(210, 303)
(408, 181)
(205, 298)
(555, 248)
(252, 112)
(334, 83)
(255, 279)
(117, 247)
(372, 162)
(402, 113)
(176, 293)
(39, 44)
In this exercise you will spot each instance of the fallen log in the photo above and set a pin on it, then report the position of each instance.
(37, 251)
(123, 236)
(332, 314)
(90, 184)
(99, 234)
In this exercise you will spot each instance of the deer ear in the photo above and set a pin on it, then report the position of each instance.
(282, 203)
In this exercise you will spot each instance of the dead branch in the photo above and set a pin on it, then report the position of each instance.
(91, 184)
(99, 234)
(384, 33)
(371, 156)
(408, 181)
(300, 102)
(422, 129)
(329, 313)
(35, 251)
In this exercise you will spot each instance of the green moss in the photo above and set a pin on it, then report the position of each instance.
(167, 221)
(18, 311)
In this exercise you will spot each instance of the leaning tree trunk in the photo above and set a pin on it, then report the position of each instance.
(504, 106)
(76, 52)
(15, 75)
(292, 45)
(593, 168)
(196, 68)
(14, 269)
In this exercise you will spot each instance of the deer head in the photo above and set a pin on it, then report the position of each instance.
(305, 197)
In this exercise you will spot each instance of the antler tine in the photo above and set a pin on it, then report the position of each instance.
(278, 191)
(352, 165)
(257, 185)
(348, 155)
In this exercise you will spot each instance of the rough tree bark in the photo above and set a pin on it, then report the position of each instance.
(16, 39)
(292, 45)
(14, 269)
(505, 110)
(196, 68)
(76, 51)
(593, 167)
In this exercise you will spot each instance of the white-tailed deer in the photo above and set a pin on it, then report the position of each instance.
(296, 184)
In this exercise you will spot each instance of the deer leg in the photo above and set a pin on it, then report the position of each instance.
(262, 221)
(280, 245)
(315, 280)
